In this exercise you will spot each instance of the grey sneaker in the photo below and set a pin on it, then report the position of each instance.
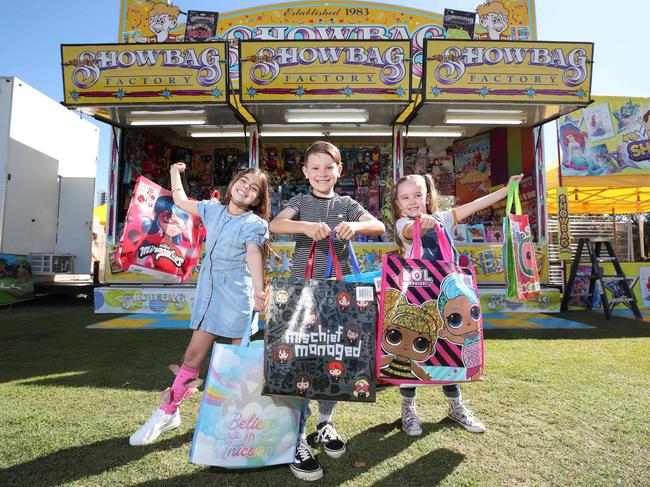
(463, 416)
(157, 424)
(411, 423)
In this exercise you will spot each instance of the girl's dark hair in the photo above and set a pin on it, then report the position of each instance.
(262, 206)
(432, 200)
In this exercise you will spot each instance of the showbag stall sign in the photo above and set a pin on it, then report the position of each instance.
(522, 71)
(118, 74)
(315, 70)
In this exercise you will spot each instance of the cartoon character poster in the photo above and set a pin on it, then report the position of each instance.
(159, 239)
(644, 286)
(431, 328)
(611, 137)
(473, 172)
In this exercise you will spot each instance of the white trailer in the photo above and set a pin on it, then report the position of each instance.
(48, 163)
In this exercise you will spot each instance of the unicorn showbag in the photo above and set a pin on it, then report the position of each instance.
(159, 239)
(237, 427)
(520, 264)
(430, 321)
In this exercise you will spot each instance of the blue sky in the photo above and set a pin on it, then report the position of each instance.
(35, 29)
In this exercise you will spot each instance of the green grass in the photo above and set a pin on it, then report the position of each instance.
(563, 407)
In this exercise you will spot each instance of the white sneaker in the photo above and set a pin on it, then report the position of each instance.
(462, 415)
(411, 423)
(157, 424)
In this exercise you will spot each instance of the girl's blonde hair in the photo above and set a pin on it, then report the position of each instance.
(432, 200)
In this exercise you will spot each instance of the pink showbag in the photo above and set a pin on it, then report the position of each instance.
(430, 321)
(159, 239)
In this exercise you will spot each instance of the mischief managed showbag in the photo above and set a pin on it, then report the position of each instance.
(320, 337)
(519, 262)
(159, 239)
(237, 427)
(430, 321)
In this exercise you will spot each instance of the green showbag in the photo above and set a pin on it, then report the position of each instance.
(519, 262)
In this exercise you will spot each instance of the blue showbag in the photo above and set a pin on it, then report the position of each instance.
(237, 427)
(357, 275)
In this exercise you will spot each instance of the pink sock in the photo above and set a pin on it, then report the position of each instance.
(179, 388)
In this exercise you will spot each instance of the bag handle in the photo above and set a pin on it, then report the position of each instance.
(309, 271)
(246, 339)
(445, 245)
(513, 197)
(354, 263)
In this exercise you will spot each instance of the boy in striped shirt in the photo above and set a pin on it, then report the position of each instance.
(312, 217)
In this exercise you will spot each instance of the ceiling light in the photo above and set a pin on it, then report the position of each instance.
(484, 121)
(167, 112)
(166, 121)
(464, 111)
(435, 132)
(333, 115)
(215, 133)
(361, 133)
(292, 133)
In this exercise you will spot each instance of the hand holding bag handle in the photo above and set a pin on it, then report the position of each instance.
(309, 271)
(443, 242)
(353, 258)
(513, 197)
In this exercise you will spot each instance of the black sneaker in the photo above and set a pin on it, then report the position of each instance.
(305, 466)
(333, 443)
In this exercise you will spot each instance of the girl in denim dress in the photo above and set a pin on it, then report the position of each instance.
(230, 285)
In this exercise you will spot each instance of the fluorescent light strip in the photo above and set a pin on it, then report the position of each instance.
(463, 111)
(326, 119)
(167, 112)
(360, 133)
(484, 121)
(217, 134)
(441, 133)
(296, 133)
(166, 121)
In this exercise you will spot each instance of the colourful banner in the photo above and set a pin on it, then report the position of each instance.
(109, 74)
(523, 71)
(494, 300)
(325, 70)
(564, 227)
(16, 283)
(150, 21)
(140, 299)
(611, 137)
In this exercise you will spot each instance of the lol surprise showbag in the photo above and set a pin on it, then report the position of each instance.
(430, 320)
(159, 239)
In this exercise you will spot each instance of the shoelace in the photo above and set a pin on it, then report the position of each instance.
(410, 417)
(464, 412)
(328, 433)
(303, 452)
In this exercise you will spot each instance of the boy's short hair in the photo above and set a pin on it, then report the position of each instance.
(323, 147)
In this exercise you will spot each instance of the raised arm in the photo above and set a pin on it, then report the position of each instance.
(178, 193)
(467, 210)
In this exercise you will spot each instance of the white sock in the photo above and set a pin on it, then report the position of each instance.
(455, 401)
(324, 418)
(302, 437)
(408, 402)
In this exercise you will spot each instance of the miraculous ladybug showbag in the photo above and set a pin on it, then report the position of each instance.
(430, 321)
(519, 262)
(159, 239)
(320, 337)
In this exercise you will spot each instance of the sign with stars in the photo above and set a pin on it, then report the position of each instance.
(505, 71)
(291, 70)
(127, 74)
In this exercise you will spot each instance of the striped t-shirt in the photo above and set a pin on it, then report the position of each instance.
(334, 210)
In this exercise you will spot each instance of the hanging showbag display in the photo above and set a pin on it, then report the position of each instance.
(237, 426)
(159, 239)
(519, 261)
(430, 321)
(320, 337)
